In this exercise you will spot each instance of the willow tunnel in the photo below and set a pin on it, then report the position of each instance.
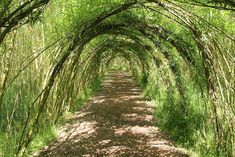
(183, 61)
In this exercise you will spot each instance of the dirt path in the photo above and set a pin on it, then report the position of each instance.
(118, 121)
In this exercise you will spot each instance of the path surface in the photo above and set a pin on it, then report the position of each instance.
(118, 121)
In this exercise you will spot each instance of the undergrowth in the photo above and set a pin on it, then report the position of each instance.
(189, 130)
(86, 94)
(8, 144)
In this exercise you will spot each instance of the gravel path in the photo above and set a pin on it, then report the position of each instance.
(116, 122)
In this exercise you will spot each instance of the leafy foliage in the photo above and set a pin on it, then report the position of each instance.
(52, 55)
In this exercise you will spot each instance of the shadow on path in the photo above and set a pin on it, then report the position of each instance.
(117, 121)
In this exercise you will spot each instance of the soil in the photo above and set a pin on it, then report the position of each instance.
(117, 122)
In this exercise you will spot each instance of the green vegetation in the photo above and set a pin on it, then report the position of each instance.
(54, 53)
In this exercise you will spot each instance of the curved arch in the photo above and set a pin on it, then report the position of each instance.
(146, 36)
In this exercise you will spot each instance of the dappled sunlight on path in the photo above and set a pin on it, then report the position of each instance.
(117, 121)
